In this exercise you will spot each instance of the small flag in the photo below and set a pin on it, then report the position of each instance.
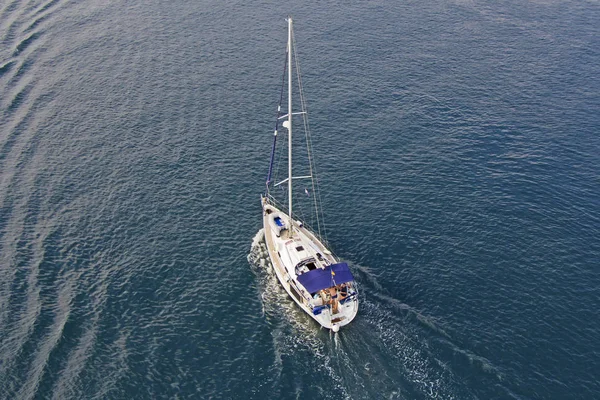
(306, 191)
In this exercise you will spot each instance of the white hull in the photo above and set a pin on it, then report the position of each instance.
(310, 274)
(331, 312)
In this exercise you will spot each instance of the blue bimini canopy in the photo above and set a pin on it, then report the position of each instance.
(329, 276)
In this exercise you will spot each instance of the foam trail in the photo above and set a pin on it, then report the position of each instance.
(380, 343)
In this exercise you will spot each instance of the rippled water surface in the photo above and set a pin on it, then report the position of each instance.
(460, 169)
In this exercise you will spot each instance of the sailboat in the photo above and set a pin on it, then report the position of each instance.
(310, 273)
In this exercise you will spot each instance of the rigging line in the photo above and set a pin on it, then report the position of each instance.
(315, 183)
(312, 165)
(279, 157)
(277, 119)
(285, 66)
(304, 117)
(316, 189)
(313, 170)
(306, 130)
(286, 115)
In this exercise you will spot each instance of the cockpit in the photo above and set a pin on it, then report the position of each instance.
(305, 266)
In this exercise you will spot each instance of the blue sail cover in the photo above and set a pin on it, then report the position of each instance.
(318, 279)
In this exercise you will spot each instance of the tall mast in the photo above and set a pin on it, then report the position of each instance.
(290, 121)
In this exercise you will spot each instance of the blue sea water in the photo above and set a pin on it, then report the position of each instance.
(459, 156)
